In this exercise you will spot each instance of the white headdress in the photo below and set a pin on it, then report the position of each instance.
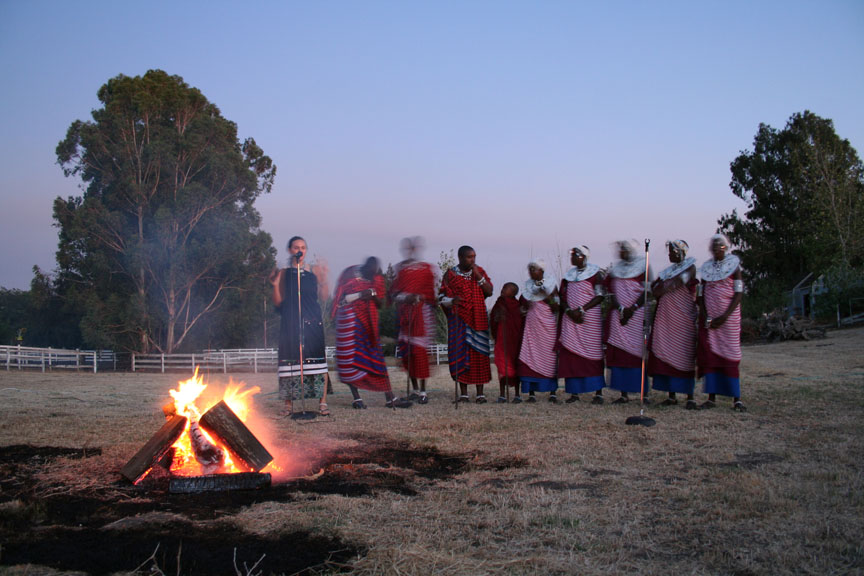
(633, 265)
(536, 290)
(713, 269)
(589, 270)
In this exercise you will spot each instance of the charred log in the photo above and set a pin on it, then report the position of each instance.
(208, 454)
(221, 421)
(218, 482)
(154, 449)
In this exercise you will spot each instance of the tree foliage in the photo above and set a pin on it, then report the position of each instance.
(39, 316)
(804, 190)
(166, 233)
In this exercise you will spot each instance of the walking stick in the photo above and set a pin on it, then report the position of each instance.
(408, 352)
(456, 375)
(506, 359)
(643, 420)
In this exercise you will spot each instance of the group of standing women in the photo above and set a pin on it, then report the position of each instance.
(553, 331)
(695, 331)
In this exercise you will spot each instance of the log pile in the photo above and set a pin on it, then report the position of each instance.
(221, 422)
(776, 327)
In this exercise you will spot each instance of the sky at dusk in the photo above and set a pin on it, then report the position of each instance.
(520, 128)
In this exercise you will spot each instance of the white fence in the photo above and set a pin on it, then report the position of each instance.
(250, 359)
(256, 360)
(437, 350)
(25, 357)
(213, 360)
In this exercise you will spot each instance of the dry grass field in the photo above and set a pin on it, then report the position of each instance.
(482, 489)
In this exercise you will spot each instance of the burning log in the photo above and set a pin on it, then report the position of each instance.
(206, 452)
(221, 421)
(218, 482)
(154, 449)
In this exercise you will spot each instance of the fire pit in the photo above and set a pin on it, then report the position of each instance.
(208, 451)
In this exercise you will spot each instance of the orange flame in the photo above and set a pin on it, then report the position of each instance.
(185, 397)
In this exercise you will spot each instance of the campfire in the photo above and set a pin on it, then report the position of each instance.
(204, 449)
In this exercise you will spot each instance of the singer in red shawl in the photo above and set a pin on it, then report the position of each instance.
(358, 351)
(625, 322)
(538, 358)
(720, 324)
(672, 349)
(505, 324)
(580, 351)
(413, 291)
(464, 290)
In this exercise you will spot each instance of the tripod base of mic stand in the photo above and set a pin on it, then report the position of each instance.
(640, 421)
(304, 416)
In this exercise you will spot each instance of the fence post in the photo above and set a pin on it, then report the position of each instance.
(42, 356)
(193, 362)
(255, 361)
(94, 362)
(162, 356)
(224, 362)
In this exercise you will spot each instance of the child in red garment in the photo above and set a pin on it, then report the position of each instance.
(505, 325)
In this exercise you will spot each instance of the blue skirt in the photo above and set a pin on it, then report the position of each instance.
(539, 384)
(674, 384)
(723, 385)
(626, 379)
(582, 385)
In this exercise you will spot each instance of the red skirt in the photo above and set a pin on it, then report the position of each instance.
(479, 371)
(572, 365)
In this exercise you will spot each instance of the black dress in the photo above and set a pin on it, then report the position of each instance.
(314, 366)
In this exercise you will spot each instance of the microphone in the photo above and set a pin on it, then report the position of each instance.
(298, 255)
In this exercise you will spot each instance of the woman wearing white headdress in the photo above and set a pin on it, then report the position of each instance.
(580, 356)
(624, 335)
(538, 362)
(672, 360)
(722, 290)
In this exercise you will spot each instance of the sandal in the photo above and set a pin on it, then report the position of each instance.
(621, 400)
(532, 399)
(669, 402)
(423, 399)
(707, 405)
(739, 406)
(323, 409)
(480, 399)
(399, 403)
(358, 404)
(517, 400)
(464, 398)
(691, 405)
(553, 399)
(501, 400)
(597, 400)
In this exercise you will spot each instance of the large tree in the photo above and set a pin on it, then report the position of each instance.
(804, 190)
(166, 231)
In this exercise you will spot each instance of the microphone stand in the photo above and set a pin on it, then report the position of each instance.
(303, 415)
(643, 420)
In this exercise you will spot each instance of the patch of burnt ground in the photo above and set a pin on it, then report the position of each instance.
(65, 529)
(178, 548)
